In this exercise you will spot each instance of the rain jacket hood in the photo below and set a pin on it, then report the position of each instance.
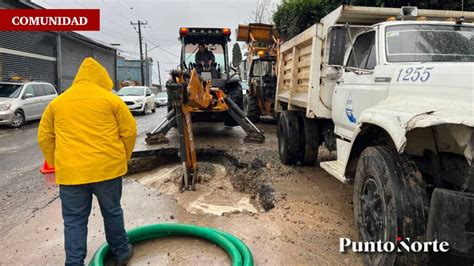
(91, 71)
(87, 133)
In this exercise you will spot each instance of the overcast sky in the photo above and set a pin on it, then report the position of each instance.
(164, 18)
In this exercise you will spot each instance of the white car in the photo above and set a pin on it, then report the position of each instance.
(138, 99)
(21, 102)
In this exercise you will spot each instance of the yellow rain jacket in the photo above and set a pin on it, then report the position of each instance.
(87, 133)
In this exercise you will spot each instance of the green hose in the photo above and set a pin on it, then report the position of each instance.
(235, 248)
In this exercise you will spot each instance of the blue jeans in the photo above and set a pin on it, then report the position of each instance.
(76, 202)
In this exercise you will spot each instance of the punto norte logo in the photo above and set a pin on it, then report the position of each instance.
(401, 245)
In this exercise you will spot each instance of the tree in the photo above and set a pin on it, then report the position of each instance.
(236, 55)
(294, 16)
(262, 12)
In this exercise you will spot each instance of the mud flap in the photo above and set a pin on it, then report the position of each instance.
(451, 219)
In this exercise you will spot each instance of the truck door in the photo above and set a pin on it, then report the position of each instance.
(357, 90)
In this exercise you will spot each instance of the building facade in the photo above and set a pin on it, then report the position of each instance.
(128, 71)
(52, 57)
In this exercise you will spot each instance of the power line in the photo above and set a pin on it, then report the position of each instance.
(105, 18)
(128, 9)
(116, 10)
(163, 49)
(121, 34)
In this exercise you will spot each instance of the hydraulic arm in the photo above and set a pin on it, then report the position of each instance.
(188, 95)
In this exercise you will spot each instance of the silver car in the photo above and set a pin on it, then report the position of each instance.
(161, 99)
(21, 102)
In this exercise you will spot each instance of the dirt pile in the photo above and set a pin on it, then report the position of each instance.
(227, 183)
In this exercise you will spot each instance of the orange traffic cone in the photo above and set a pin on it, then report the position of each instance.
(46, 169)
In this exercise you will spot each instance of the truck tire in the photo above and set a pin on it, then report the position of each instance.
(389, 200)
(234, 91)
(251, 108)
(288, 132)
(310, 141)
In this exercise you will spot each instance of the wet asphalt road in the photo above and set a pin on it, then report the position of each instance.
(23, 189)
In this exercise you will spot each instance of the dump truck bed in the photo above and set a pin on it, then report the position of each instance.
(303, 71)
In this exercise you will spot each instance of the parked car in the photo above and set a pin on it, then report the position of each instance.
(138, 98)
(161, 99)
(24, 101)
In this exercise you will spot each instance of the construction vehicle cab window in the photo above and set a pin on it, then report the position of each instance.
(280, 132)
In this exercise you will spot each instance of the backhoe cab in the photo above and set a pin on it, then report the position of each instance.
(262, 56)
(202, 90)
(218, 72)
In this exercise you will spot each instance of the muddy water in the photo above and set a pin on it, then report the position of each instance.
(214, 193)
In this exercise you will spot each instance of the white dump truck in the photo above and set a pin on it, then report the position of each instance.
(392, 92)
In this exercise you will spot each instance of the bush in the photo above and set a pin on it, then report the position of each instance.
(294, 16)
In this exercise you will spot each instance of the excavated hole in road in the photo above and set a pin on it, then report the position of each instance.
(226, 184)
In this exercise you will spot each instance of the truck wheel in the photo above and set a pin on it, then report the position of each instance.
(234, 91)
(310, 141)
(251, 108)
(389, 198)
(288, 137)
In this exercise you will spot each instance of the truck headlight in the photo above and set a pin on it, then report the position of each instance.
(5, 106)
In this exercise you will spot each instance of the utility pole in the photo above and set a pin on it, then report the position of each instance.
(140, 23)
(159, 74)
(147, 66)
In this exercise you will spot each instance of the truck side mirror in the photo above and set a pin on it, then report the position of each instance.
(337, 45)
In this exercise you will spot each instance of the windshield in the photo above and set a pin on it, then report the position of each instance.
(162, 94)
(262, 68)
(217, 49)
(430, 43)
(131, 91)
(10, 90)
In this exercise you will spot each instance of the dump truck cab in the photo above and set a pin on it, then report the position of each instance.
(391, 92)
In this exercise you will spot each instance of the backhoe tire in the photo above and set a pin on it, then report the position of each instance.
(234, 91)
(288, 132)
(251, 108)
(310, 141)
(389, 200)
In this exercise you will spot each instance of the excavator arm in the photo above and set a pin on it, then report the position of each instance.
(194, 95)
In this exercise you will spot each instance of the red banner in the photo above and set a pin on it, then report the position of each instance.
(49, 19)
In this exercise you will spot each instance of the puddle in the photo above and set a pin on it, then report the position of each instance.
(214, 193)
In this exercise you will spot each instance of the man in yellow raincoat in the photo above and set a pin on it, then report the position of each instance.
(88, 135)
